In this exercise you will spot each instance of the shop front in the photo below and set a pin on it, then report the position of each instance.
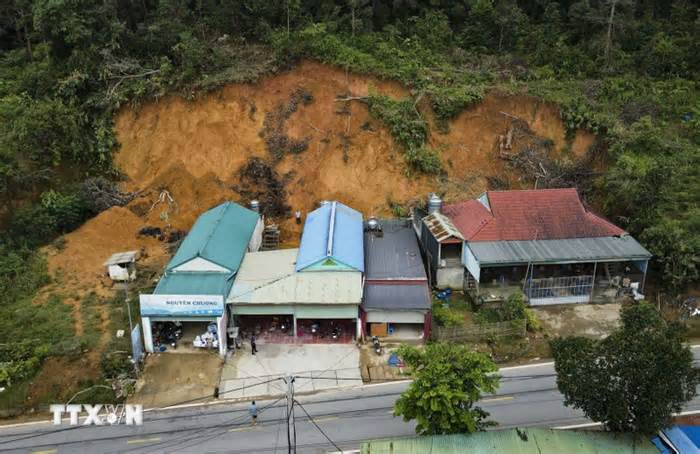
(288, 323)
(172, 322)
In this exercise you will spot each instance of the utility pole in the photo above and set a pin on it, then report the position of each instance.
(126, 300)
(291, 430)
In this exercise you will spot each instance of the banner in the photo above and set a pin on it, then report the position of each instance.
(136, 345)
(181, 305)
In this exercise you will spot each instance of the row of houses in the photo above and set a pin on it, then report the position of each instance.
(351, 278)
(347, 279)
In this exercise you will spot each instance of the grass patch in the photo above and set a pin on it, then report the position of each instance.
(91, 314)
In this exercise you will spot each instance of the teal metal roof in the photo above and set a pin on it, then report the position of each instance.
(510, 441)
(220, 235)
(188, 283)
(558, 251)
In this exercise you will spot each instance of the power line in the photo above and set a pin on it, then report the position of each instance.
(318, 427)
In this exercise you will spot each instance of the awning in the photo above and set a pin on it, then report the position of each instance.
(397, 297)
(575, 250)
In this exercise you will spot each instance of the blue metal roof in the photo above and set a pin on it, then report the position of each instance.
(220, 235)
(682, 438)
(332, 232)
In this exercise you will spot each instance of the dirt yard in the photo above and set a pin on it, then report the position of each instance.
(172, 378)
(589, 320)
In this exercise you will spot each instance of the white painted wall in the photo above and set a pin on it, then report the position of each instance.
(256, 239)
(389, 316)
(470, 262)
(223, 335)
(201, 264)
(147, 334)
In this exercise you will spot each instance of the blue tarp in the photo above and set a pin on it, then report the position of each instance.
(333, 233)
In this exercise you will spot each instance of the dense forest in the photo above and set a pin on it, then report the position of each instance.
(624, 70)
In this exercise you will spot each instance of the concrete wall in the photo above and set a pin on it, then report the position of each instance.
(452, 277)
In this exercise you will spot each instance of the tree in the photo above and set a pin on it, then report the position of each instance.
(633, 380)
(448, 380)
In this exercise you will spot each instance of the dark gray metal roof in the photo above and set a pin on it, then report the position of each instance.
(407, 297)
(558, 251)
(395, 254)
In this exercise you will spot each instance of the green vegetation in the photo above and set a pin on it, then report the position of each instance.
(409, 129)
(633, 380)
(447, 380)
(513, 308)
(629, 75)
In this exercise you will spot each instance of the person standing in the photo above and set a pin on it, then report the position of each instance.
(253, 410)
(253, 345)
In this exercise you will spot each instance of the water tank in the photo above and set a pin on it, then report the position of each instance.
(434, 203)
(323, 202)
(373, 223)
(255, 206)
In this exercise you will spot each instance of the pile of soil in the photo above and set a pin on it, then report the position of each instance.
(197, 149)
(79, 267)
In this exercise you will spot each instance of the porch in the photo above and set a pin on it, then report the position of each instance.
(560, 284)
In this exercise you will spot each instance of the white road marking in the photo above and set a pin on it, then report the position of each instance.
(593, 424)
(327, 418)
(497, 399)
(142, 440)
(45, 451)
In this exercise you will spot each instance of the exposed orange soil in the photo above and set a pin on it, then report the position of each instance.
(194, 150)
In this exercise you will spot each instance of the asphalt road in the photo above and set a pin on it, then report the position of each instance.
(527, 397)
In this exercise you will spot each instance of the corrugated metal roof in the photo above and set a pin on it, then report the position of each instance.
(397, 297)
(220, 235)
(544, 214)
(441, 227)
(558, 251)
(533, 441)
(394, 254)
(122, 257)
(188, 283)
(333, 231)
(270, 278)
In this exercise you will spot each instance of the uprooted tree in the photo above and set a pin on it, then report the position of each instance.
(448, 380)
(632, 381)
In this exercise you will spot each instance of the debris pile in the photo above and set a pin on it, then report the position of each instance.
(532, 157)
(102, 194)
(277, 141)
(259, 181)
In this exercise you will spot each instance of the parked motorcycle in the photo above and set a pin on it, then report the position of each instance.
(377, 346)
(335, 333)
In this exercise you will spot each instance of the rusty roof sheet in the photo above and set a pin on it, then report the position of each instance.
(441, 227)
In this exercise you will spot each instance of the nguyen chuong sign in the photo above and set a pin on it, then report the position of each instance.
(181, 305)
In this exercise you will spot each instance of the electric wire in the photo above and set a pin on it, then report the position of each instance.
(65, 429)
(318, 427)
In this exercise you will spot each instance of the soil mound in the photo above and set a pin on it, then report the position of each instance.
(78, 266)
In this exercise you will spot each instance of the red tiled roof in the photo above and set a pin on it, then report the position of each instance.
(544, 214)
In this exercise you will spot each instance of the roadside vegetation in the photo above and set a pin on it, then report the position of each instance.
(633, 380)
(67, 66)
(448, 379)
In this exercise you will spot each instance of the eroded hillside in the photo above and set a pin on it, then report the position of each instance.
(196, 149)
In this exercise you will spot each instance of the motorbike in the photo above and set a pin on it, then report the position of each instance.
(335, 333)
(377, 346)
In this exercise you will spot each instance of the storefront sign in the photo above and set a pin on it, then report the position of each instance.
(181, 305)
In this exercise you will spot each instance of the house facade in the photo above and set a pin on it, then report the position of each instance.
(196, 281)
(309, 294)
(547, 244)
(397, 301)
